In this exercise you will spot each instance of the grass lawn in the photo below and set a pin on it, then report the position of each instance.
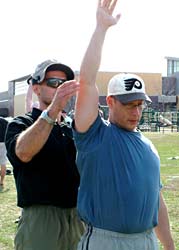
(168, 148)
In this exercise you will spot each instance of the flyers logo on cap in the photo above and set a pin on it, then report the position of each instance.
(132, 83)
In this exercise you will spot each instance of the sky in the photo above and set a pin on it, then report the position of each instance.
(36, 30)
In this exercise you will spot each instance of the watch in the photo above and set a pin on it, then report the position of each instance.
(44, 115)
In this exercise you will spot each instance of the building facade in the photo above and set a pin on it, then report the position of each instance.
(157, 88)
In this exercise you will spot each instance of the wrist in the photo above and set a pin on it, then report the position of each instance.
(100, 29)
(45, 116)
(169, 245)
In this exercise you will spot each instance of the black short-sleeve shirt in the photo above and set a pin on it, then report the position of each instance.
(51, 177)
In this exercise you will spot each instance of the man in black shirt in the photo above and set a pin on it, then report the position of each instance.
(42, 154)
(3, 157)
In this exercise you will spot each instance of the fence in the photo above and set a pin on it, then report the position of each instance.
(155, 121)
(159, 121)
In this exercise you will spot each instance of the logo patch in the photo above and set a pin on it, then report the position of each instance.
(132, 83)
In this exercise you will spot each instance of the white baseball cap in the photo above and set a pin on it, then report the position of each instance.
(127, 87)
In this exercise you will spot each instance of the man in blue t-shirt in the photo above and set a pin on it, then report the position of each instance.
(119, 197)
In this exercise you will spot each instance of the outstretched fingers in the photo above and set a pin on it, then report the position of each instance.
(64, 93)
(107, 7)
(112, 6)
(107, 4)
(69, 88)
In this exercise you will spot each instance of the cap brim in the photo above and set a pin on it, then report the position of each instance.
(133, 97)
(52, 67)
(62, 67)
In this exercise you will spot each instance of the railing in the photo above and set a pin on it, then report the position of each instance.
(159, 121)
(155, 121)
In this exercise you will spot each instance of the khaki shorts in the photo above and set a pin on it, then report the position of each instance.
(3, 157)
(48, 228)
(99, 239)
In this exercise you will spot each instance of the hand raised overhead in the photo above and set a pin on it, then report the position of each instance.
(104, 14)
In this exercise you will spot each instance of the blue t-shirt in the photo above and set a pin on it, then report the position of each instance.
(120, 178)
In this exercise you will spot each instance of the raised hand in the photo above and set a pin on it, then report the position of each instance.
(104, 14)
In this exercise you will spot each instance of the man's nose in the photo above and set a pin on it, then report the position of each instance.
(136, 109)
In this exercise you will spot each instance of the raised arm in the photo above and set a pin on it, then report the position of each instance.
(87, 99)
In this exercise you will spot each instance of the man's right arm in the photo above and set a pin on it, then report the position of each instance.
(163, 231)
(31, 140)
(87, 99)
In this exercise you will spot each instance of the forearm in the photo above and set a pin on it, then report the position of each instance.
(92, 57)
(163, 229)
(30, 141)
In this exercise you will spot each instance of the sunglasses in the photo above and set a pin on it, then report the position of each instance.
(54, 82)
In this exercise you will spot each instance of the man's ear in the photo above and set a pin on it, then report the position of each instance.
(36, 89)
(109, 101)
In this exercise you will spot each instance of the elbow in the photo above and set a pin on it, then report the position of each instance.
(22, 155)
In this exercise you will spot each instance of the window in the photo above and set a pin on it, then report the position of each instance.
(172, 66)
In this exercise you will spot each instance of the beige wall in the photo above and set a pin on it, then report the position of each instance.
(19, 104)
(153, 82)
